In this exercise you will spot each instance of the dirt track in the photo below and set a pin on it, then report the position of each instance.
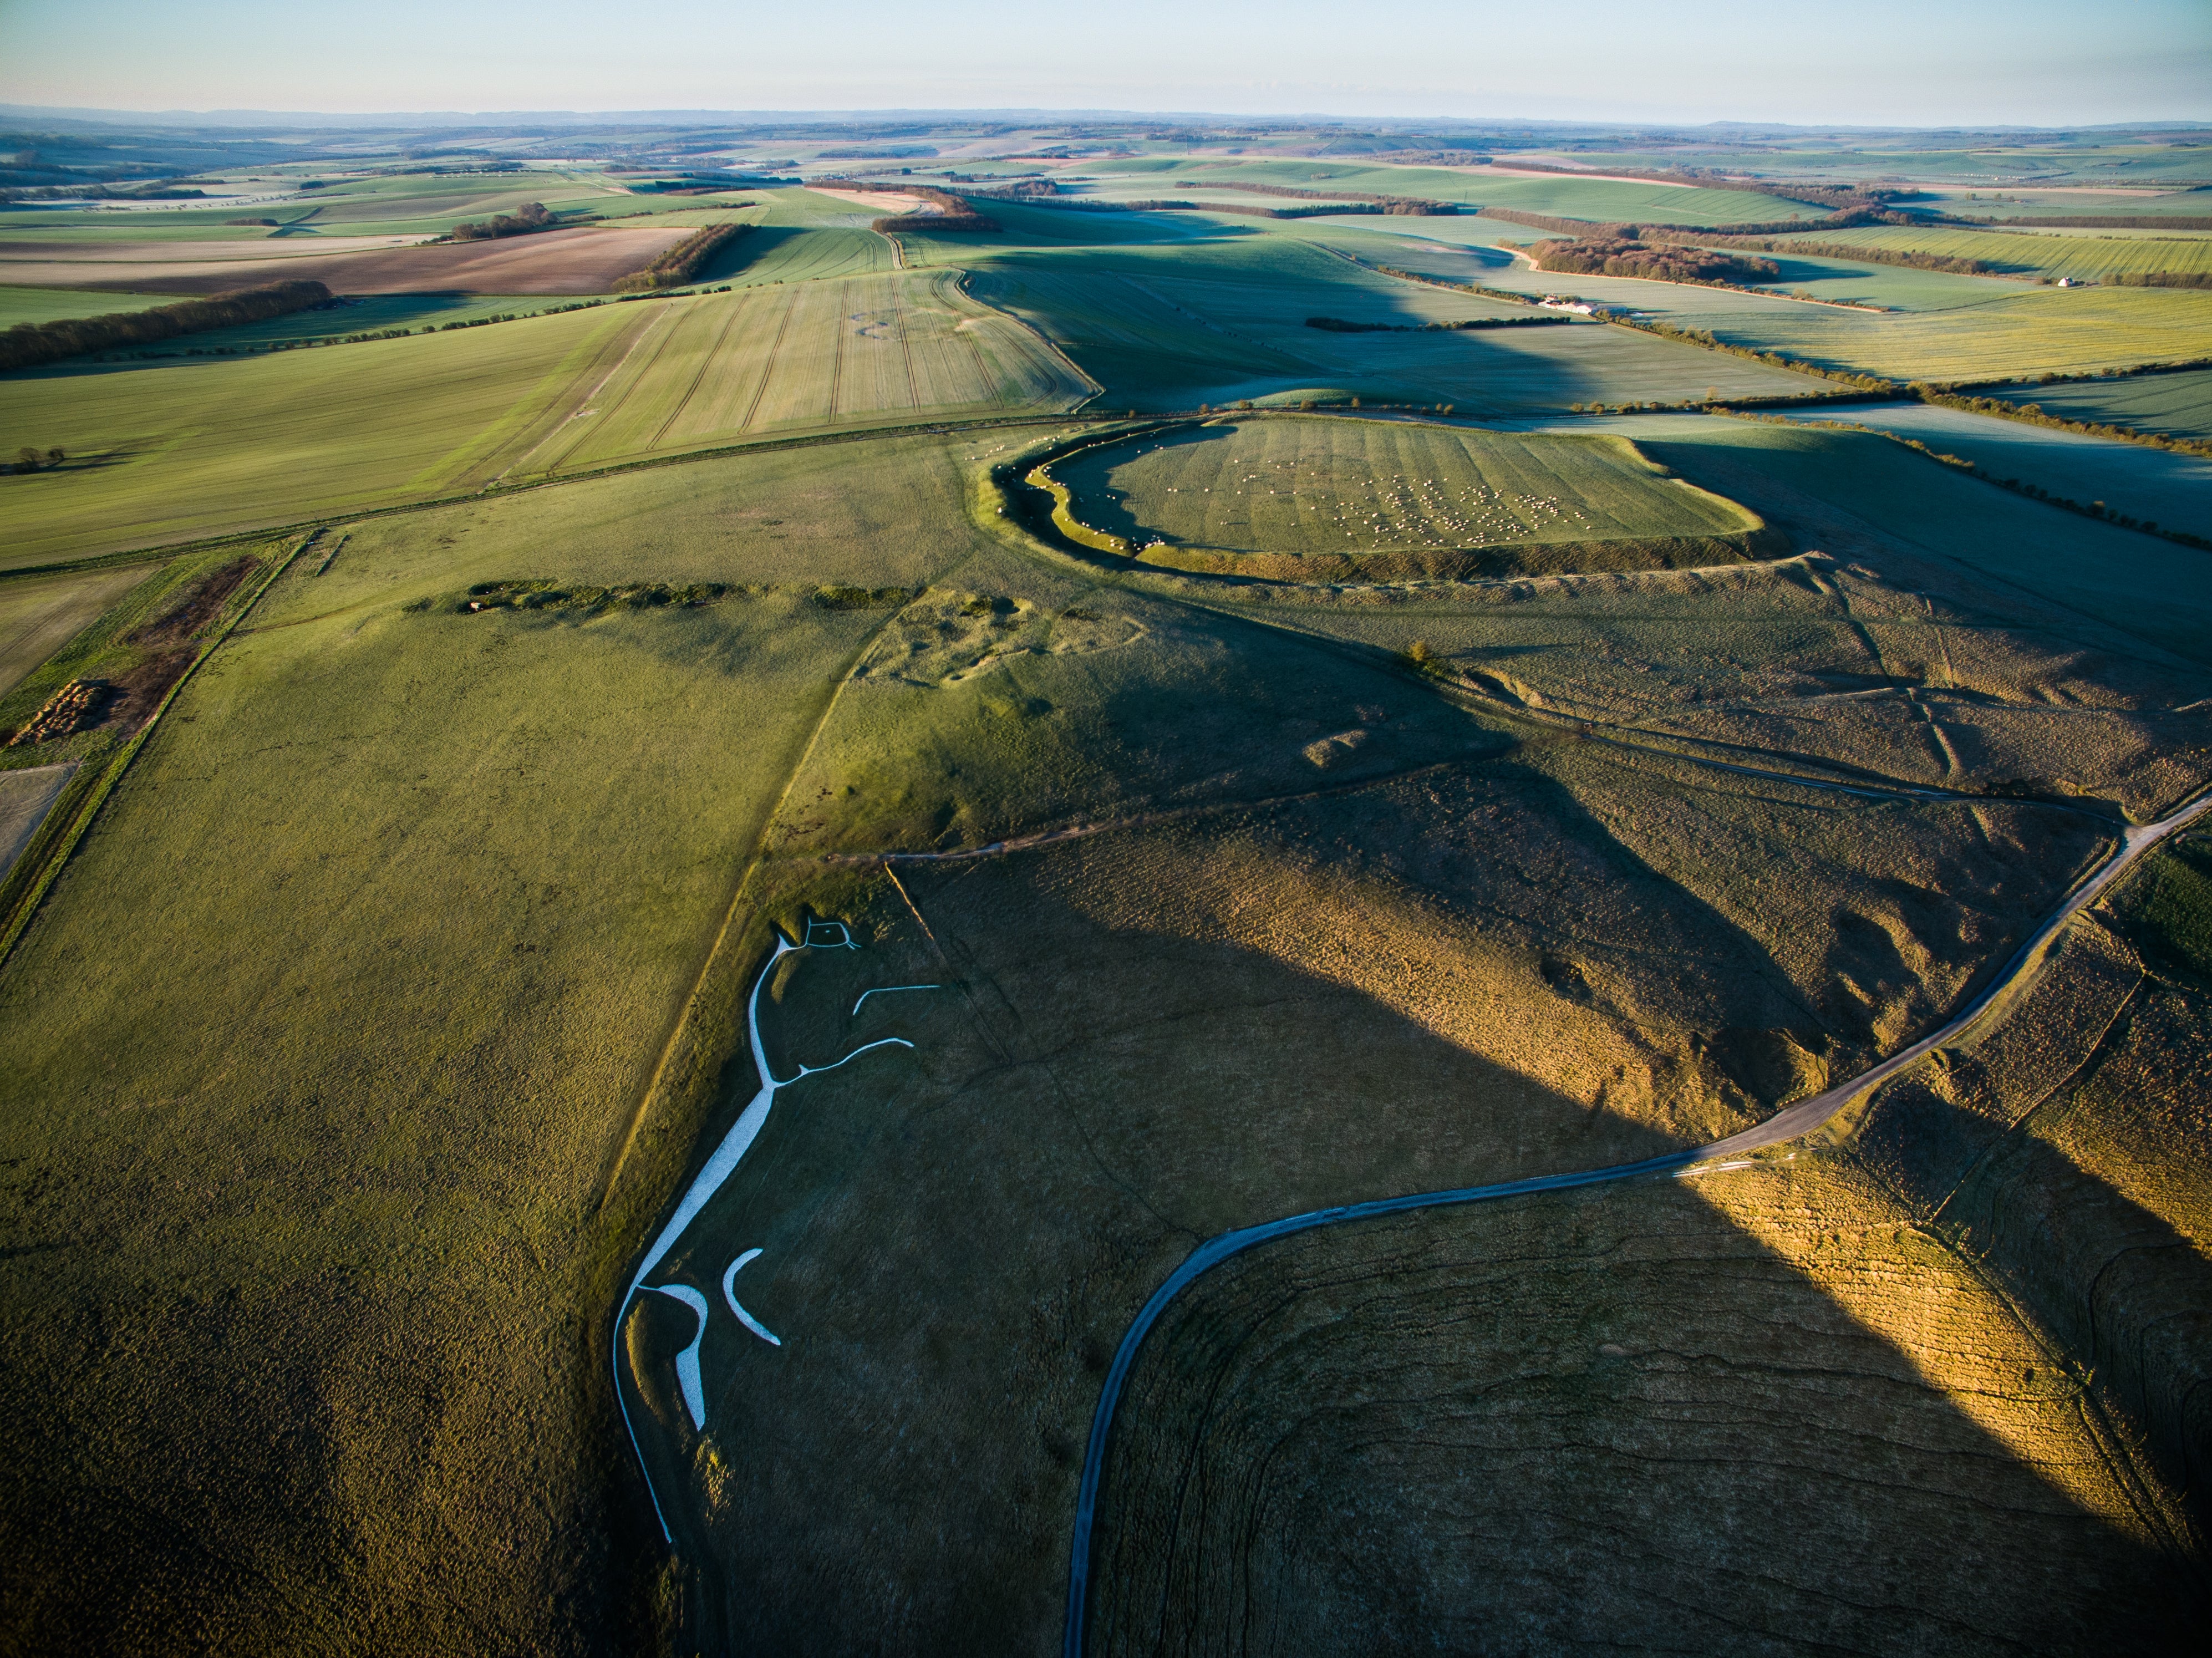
(586, 260)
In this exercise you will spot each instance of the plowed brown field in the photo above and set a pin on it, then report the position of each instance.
(579, 261)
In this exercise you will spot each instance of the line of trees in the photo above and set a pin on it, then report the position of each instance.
(1338, 326)
(2159, 278)
(2093, 221)
(683, 261)
(1953, 264)
(531, 216)
(1413, 205)
(26, 345)
(1610, 256)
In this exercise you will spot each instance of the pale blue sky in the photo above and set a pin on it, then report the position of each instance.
(1904, 61)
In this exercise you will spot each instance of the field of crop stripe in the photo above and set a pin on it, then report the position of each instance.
(985, 380)
(905, 350)
(768, 368)
(584, 431)
(706, 361)
(837, 358)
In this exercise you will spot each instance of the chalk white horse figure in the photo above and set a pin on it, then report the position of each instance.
(717, 1168)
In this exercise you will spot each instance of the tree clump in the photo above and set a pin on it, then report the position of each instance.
(1623, 256)
(683, 261)
(531, 216)
(29, 344)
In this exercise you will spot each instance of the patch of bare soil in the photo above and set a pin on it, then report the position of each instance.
(579, 261)
(202, 603)
(171, 641)
(133, 694)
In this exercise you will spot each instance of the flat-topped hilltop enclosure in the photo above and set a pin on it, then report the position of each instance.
(1321, 498)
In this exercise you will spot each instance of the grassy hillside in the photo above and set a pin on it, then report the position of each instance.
(319, 1072)
(1316, 944)
(1475, 1426)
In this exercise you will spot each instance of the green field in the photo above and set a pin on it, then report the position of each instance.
(2176, 405)
(442, 1082)
(170, 453)
(37, 305)
(1303, 488)
(2171, 489)
(39, 614)
(2083, 258)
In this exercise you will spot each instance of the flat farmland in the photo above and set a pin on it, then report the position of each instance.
(805, 356)
(165, 453)
(2080, 256)
(39, 614)
(581, 261)
(1286, 484)
(2178, 404)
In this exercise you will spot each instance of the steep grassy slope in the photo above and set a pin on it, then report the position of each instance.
(1291, 931)
(1580, 1421)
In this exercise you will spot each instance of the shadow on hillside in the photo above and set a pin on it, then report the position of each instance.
(1602, 1419)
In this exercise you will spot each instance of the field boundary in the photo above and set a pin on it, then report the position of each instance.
(28, 906)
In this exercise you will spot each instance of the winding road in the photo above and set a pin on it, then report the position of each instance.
(1792, 1122)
